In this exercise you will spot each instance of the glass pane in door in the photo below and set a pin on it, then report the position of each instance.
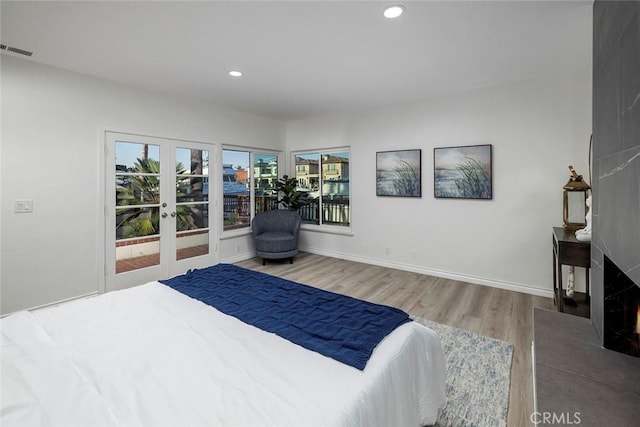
(137, 197)
(192, 203)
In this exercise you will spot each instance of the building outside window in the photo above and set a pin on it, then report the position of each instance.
(244, 187)
(265, 176)
(324, 176)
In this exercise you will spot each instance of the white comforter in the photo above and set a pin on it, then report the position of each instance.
(150, 356)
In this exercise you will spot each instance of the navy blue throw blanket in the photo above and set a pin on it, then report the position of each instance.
(343, 328)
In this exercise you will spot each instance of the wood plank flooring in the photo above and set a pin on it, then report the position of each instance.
(497, 313)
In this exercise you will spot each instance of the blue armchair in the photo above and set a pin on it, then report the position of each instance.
(275, 234)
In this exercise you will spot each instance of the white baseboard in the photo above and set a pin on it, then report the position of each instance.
(516, 287)
(238, 258)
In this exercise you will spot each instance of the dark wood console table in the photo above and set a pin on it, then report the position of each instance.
(567, 250)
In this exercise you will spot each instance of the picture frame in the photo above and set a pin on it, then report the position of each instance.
(399, 173)
(463, 172)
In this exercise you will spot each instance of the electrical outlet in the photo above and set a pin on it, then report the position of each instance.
(23, 206)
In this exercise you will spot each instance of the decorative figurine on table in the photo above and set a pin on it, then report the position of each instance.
(584, 234)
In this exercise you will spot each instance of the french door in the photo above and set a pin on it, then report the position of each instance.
(157, 208)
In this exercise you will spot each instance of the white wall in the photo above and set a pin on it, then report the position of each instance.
(52, 153)
(537, 128)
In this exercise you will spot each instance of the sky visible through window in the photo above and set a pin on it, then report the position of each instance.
(315, 156)
(235, 158)
(127, 153)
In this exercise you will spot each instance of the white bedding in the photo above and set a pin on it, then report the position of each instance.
(150, 356)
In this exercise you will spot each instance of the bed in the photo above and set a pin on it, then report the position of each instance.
(154, 356)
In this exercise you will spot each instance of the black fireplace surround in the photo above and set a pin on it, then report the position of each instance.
(616, 155)
(621, 331)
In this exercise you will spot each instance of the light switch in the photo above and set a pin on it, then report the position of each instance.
(24, 206)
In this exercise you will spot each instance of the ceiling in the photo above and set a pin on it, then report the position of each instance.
(304, 58)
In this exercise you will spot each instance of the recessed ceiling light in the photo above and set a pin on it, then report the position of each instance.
(393, 11)
(235, 73)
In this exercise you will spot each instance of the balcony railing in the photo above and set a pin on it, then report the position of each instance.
(237, 210)
(334, 212)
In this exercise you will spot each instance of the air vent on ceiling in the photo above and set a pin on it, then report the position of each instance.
(15, 50)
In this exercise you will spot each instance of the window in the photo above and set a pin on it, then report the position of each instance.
(244, 186)
(324, 175)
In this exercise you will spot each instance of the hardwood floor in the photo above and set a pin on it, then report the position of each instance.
(497, 313)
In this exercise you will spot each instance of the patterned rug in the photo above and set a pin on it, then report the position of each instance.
(478, 378)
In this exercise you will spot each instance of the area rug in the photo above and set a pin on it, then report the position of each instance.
(478, 377)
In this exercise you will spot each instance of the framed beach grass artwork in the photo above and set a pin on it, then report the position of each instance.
(398, 173)
(463, 172)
